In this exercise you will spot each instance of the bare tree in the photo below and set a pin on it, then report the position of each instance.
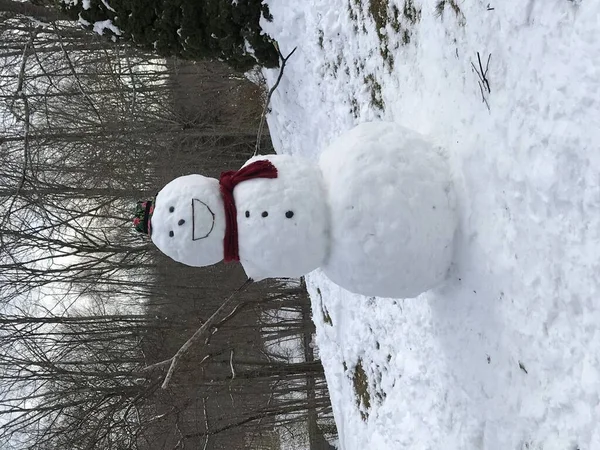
(89, 127)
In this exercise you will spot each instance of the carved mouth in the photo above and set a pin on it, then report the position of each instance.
(203, 220)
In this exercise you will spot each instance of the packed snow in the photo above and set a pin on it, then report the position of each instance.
(505, 355)
(102, 25)
(392, 208)
(188, 222)
(377, 213)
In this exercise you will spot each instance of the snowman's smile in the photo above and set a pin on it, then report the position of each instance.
(203, 220)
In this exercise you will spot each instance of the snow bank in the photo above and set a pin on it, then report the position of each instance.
(506, 354)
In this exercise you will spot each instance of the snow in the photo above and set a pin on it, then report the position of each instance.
(283, 223)
(188, 222)
(107, 24)
(392, 209)
(376, 212)
(506, 354)
(85, 4)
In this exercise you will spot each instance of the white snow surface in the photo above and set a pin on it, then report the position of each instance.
(271, 244)
(107, 24)
(392, 209)
(505, 355)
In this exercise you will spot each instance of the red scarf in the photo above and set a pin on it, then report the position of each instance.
(228, 181)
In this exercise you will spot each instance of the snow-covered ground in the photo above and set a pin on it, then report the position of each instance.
(506, 355)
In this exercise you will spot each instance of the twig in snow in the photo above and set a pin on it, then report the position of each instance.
(483, 96)
(481, 73)
(522, 367)
(200, 334)
(483, 82)
(263, 116)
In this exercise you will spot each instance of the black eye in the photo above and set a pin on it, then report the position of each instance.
(265, 214)
(171, 234)
(171, 209)
(181, 222)
(289, 214)
(247, 213)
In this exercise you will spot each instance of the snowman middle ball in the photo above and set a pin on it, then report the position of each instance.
(283, 223)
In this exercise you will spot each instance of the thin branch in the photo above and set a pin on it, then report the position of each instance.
(232, 314)
(483, 95)
(201, 333)
(75, 75)
(206, 423)
(481, 73)
(21, 94)
(483, 82)
(268, 100)
(231, 366)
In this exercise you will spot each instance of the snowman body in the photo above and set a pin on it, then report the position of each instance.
(376, 213)
(392, 211)
(283, 223)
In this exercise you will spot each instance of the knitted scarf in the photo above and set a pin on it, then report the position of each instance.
(227, 182)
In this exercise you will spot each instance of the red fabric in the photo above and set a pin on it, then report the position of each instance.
(228, 181)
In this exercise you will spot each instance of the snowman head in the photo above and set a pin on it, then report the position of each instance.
(188, 221)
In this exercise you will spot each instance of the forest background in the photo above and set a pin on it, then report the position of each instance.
(88, 307)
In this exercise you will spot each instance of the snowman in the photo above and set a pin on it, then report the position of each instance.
(375, 213)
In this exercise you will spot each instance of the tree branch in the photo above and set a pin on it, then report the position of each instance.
(75, 75)
(268, 100)
(202, 332)
(26, 126)
(231, 366)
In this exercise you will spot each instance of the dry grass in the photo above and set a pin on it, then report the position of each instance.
(375, 89)
(361, 389)
(440, 7)
(401, 23)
